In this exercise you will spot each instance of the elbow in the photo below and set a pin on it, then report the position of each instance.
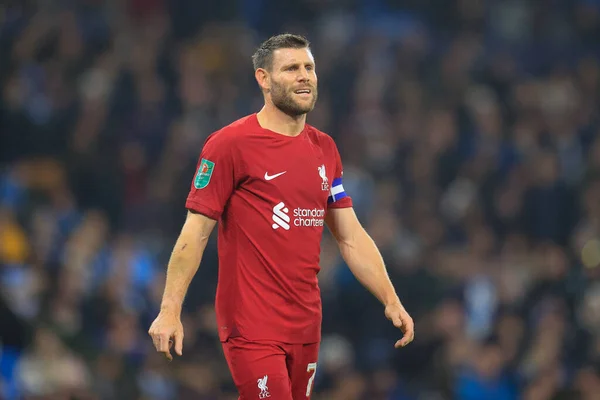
(353, 238)
(355, 244)
(348, 247)
(203, 241)
(201, 246)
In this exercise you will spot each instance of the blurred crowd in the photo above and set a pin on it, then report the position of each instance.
(470, 135)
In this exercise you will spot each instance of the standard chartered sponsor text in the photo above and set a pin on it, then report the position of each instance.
(308, 216)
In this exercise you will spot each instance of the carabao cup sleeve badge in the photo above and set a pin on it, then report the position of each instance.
(205, 171)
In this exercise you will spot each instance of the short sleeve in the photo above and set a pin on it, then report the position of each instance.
(215, 177)
(338, 198)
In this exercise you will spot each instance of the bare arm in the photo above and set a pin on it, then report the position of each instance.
(366, 263)
(361, 254)
(185, 260)
(183, 265)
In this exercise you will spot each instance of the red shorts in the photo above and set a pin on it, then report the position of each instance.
(271, 370)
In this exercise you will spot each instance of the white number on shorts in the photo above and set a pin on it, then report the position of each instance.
(312, 367)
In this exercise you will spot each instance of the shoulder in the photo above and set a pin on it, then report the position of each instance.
(321, 138)
(231, 134)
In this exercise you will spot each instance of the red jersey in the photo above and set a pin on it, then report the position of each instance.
(270, 194)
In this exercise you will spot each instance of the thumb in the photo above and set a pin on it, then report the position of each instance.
(397, 321)
(178, 336)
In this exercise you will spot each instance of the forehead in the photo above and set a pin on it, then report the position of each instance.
(291, 56)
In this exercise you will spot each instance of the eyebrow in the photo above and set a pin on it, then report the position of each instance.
(294, 63)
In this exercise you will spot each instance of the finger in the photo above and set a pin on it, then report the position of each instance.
(164, 346)
(408, 337)
(164, 343)
(156, 342)
(178, 342)
(155, 339)
(403, 342)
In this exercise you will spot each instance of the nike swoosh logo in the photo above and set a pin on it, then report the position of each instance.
(269, 177)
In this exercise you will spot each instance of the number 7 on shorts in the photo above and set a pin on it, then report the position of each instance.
(312, 367)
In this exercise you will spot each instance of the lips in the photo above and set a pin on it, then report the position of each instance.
(303, 91)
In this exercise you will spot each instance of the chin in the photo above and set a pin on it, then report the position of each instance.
(304, 109)
(297, 110)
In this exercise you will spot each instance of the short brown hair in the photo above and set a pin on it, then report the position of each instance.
(263, 57)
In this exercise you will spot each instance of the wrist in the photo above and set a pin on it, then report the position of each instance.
(170, 307)
(392, 301)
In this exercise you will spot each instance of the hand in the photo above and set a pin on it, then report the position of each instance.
(166, 330)
(396, 313)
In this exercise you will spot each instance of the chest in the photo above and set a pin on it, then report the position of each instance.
(297, 172)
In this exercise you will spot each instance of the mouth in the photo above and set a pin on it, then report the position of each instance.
(303, 91)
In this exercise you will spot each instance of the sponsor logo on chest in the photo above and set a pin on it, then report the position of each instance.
(300, 217)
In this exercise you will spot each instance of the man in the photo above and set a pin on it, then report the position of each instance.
(272, 182)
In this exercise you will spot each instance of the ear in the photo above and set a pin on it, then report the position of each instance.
(263, 79)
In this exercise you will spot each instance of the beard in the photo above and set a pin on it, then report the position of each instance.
(284, 100)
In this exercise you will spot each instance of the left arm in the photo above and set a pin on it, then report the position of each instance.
(364, 260)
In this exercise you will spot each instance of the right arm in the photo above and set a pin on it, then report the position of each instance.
(183, 265)
(214, 182)
(185, 260)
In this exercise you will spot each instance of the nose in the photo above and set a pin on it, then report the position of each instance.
(303, 75)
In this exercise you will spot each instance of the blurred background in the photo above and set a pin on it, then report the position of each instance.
(470, 135)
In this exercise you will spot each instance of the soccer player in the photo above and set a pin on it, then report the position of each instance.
(272, 182)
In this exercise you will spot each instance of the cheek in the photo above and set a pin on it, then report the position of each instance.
(276, 87)
(282, 85)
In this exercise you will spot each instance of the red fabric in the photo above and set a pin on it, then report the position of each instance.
(272, 370)
(269, 194)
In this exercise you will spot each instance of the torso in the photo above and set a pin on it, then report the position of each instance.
(270, 235)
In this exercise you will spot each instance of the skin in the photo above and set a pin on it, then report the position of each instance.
(284, 112)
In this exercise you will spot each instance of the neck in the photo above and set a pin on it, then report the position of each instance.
(273, 119)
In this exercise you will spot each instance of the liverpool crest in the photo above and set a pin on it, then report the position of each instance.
(323, 175)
